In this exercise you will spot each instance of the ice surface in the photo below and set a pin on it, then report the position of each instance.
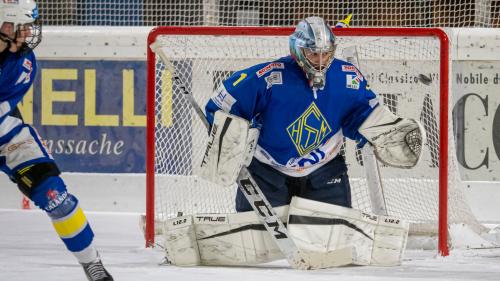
(30, 251)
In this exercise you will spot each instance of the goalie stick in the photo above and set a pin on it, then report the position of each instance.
(263, 209)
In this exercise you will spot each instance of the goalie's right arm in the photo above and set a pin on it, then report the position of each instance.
(397, 141)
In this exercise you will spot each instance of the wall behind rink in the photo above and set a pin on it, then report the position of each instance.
(475, 84)
(88, 100)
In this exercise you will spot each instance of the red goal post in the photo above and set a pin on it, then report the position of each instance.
(153, 86)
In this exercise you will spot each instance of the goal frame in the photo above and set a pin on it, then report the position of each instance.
(438, 33)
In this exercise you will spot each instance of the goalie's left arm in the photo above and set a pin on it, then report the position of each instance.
(396, 141)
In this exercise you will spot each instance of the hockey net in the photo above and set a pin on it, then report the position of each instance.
(406, 67)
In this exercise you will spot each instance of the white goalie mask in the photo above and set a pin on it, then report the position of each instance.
(24, 16)
(312, 45)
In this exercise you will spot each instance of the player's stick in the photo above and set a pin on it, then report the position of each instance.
(263, 209)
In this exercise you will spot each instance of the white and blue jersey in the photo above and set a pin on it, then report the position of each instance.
(21, 149)
(300, 130)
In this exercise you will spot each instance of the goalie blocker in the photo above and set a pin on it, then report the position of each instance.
(329, 235)
(396, 141)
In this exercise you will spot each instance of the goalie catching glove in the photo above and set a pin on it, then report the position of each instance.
(397, 141)
(231, 145)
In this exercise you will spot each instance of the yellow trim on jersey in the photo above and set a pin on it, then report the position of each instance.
(71, 225)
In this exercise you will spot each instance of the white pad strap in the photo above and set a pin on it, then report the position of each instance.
(230, 146)
(397, 141)
(323, 228)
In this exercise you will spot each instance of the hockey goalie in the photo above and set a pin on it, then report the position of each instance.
(284, 121)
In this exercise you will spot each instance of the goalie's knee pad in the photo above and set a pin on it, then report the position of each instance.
(31, 176)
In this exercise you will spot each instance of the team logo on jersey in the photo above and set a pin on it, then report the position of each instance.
(274, 79)
(352, 81)
(223, 99)
(269, 67)
(309, 130)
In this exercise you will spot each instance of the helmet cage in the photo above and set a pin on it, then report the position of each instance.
(312, 37)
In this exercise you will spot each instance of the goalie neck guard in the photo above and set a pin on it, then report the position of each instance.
(312, 45)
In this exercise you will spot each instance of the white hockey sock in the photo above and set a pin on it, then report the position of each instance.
(87, 255)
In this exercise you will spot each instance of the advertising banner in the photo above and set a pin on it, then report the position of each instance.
(91, 114)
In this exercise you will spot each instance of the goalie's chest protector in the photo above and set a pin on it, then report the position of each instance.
(295, 122)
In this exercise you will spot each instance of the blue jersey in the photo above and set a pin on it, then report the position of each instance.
(300, 129)
(17, 73)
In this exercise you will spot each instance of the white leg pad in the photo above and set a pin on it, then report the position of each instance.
(391, 236)
(180, 243)
(220, 239)
(235, 239)
(323, 228)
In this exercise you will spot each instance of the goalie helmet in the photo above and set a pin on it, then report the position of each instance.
(312, 45)
(21, 14)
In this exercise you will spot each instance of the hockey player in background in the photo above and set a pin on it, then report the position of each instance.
(23, 156)
(304, 105)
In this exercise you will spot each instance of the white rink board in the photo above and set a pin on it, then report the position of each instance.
(126, 193)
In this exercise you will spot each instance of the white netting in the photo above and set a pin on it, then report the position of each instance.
(413, 13)
(395, 67)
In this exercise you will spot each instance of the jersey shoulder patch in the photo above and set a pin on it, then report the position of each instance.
(352, 68)
(274, 78)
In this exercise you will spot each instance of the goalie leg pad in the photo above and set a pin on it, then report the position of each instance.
(180, 243)
(322, 228)
(230, 146)
(220, 239)
(397, 141)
